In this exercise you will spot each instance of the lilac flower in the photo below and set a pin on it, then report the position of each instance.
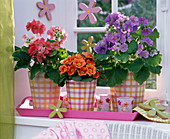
(117, 46)
(109, 20)
(129, 38)
(100, 49)
(122, 38)
(140, 48)
(144, 54)
(123, 47)
(117, 24)
(143, 20)
(122, 17)
(135, 20)
(127, 26)
(148, 41)
(114, 16)
(153, 53)
(134, 28)
(146, 31)
(115, 37)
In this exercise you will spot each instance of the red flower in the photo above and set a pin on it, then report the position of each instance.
(87, 55)
(71, 70)
(61, 98)
(90, 62)
(40, 57)
(108, 100)
(96, 75)
(82, 71)
(91, 70)
(79, 56)
(55, 45)
(119, 102)
(32, 50)
(79, 63)
(68, 60)
(63, 69)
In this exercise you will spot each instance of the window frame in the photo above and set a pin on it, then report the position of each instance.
(161, 80)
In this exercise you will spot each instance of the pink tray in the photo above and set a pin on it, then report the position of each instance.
(24, 109)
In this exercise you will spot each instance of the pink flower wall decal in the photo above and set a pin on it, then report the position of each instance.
(89, 10)
(45, 9)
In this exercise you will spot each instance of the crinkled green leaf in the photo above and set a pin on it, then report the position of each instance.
(87, 80)
(154, 61)
(142, 75)
(155, 70)
(53, 74)
(77, 78)
(62, 53)
(54, 52)
(134, 66)
(132, 47)
(102, 57)
(34, 70)
(116, 76)
(123, 57)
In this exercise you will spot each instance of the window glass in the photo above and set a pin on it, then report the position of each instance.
(106, 9)
(139, 8)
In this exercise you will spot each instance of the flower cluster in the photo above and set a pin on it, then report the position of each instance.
(38, 47)
(122, 30)
(81, 65)
(129, 45)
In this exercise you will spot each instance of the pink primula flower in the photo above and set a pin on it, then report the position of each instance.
(32, 50)
(50, 34)
(40, 57)
(55, 45)
(25, 37)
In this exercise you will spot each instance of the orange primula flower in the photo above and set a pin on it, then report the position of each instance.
(63, 69)
(79, 56)
(71, 70)
(125, 104)
(79, 63)
(96, 75)
(90, 62)
(68, 60)
(82, 71)
(100, 102)
(91, 70)
(87, 55)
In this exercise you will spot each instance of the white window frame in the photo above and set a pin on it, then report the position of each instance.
(162, 81)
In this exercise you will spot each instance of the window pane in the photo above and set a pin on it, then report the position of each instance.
(106, 9)
(85, 36)
(139, 8)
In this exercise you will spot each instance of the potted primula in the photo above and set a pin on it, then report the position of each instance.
(42, 58)
(80, 74)
(128, 54)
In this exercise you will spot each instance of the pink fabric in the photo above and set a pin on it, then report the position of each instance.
(76, 130)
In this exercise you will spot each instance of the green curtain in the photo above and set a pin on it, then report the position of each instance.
(6, 70)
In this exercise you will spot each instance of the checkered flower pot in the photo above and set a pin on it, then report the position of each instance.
(81, 95)
(129, 88)
(44, 92)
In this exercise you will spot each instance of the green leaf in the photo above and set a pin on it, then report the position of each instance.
(54, 52)
(53, 74)
(62, 53)
(142, 75)
(155, 70)
(34, 70)
(116, 76)
(87, 80)
(52, 114)
(22, 58)
(154, 61)
(124, 57)
(51, 41)
(132, 47)
(154, 35)
(25, 49)
(102, 57)
(135, 66)
(77, 78)
(17, 48)
(61, 82)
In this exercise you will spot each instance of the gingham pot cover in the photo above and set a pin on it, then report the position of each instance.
(44, 92)
(129, 88)
(81, 95)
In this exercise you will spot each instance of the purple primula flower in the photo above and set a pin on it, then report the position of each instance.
(143, 20)
(148, 41)
(109, 20)
(134, 28)
(115, 37)
(123, 47)
(140, 48)
(129, 39)
(144, 54)
(135, 20)
(100, 49)
(117, 46)
(117, 24)
(153, 53)
(127, 26)
(146, 31)
(122, 38)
